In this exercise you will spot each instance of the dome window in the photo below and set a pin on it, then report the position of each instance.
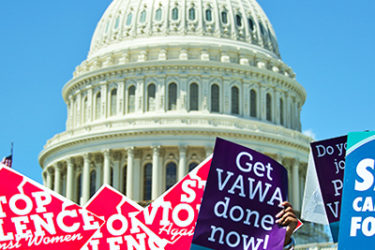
(215, 98)
(131, 99)
(172, 96)
(175, 13)
(147, 181)
(262, 31)
(239, 20)
(253, 103)
(251, 24)
(158, 14)
(269, 107)
(192, 14)
(107, 27)
(194, 90)
(151, 97)
(129, 19)
(142, 17)
(208, 15)
(224, 17)
(170, 175)
(117, 22)
(235, 101)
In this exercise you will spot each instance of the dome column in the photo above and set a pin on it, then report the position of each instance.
(130, 174)
(107, 168)
(156, 173)
(69, 179)
(295, 176)
(99, 171)
(182, 163)
(57, 187)
(116, 171)
(85, 179)
(49, 178)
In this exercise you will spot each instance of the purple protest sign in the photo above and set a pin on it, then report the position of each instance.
(329, 160)
(242, 196)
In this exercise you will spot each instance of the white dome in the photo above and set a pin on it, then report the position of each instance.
(162, 80)
(127, 22)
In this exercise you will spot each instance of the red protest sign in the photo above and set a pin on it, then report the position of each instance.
(34, 217)
(121, 230)
(173, 215)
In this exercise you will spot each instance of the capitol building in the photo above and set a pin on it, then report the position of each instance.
(162, 80)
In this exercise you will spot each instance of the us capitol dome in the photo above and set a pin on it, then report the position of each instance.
(162, 80)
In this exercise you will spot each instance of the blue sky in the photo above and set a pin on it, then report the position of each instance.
(329, 44)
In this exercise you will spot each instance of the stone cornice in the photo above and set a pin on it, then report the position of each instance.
(268, 133)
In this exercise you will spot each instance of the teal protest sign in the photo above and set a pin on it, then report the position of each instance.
(357, 223)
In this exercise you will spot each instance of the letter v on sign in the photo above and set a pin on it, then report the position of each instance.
(121, 229)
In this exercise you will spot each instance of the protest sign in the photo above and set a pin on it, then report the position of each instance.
(121, 230)
(313, 205)
(357, 224)
(243, 194)
(34, 217)
(173, 215)
(329, 161)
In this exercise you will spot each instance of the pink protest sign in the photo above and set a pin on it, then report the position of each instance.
(121, 230)
(34, 217)
(173, 215)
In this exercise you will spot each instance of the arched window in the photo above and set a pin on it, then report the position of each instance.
(131, 99)
(224, 17)
(151, 97)
(113, 109)
(129, 19)
(171, 175)
(172, 96)
(281, 111)
(215, 98)
(142, 17)
(192, 166)
(268, 107)
(239, 20)
(251, 24)
(85, 110)
(175, 13)
(98, 101)
(235, 101)
(193, 97)
(253, 103)
(92, 183)
(147, 181)
(158, 14)
(208, 15)
(124, 179)
(117, 22)
(192, 14)
(79, 188)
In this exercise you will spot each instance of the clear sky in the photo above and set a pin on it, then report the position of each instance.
(328, 43)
